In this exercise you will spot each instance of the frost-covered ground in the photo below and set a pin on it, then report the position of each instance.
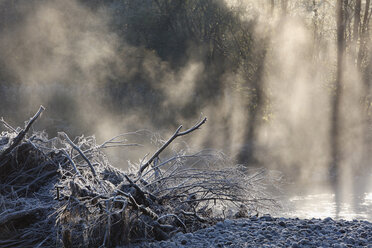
(268, 231)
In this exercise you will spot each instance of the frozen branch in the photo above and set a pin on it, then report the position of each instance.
(170, 140)
(7, 217)
(22, 133)
(80, 152)
(7, 125)
(183, 192)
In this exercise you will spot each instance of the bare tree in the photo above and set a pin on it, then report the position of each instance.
(337, 94)
(254, 111)
(272, 7)
(363, 33)
(357, 10)
(284, 5)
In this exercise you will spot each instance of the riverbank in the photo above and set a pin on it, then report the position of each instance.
(267, 231)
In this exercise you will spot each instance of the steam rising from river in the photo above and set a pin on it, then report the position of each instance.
(62, 54)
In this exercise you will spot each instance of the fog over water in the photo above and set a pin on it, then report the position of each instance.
(262, 72)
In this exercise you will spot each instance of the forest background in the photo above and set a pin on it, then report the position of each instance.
(285, 84)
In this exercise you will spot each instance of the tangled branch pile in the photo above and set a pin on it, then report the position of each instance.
(59, 192)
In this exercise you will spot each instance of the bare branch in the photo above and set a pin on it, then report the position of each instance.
(72, 162)
(6, 217)
(22, 134)
(7, 125)
(184, 192)
(174, 216)
(195, 215)
(170, 140)
(80, 152)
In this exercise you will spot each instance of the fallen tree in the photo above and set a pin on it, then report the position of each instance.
(63, 192)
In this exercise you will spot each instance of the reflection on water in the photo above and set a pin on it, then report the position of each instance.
(324, 205)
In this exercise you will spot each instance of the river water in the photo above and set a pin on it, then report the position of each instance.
(322, 205)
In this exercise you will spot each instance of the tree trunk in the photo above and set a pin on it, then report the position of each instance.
(357, 9)
(272, 7)
(284, 4)
(247, 152)
(365, 70)
(363, 35)
(337, 96)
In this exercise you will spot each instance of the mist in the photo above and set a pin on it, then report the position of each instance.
(263, 72)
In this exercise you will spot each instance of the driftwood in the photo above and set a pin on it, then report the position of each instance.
(56, 192)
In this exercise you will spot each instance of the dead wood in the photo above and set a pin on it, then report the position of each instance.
(7, 216)
(21, 134)
(170, 140)
(56, 192)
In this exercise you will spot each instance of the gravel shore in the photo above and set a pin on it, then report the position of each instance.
(267, 231)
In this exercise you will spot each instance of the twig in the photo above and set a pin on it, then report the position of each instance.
(22, 133)
(71, 162)
(176, 217)
(144, 210)
(40, 177)
(112, 140)
(195, 215)
(166, 144)
(106, 239)
(196, 155)
(138, 189)
(7, 125)
(80, 152)
(42, 242)
(20, 214)
(42, 152)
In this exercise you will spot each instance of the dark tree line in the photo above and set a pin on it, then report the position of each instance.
(225, 42)
(207, 31)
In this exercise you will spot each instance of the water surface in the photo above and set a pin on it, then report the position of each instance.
(322, 205)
